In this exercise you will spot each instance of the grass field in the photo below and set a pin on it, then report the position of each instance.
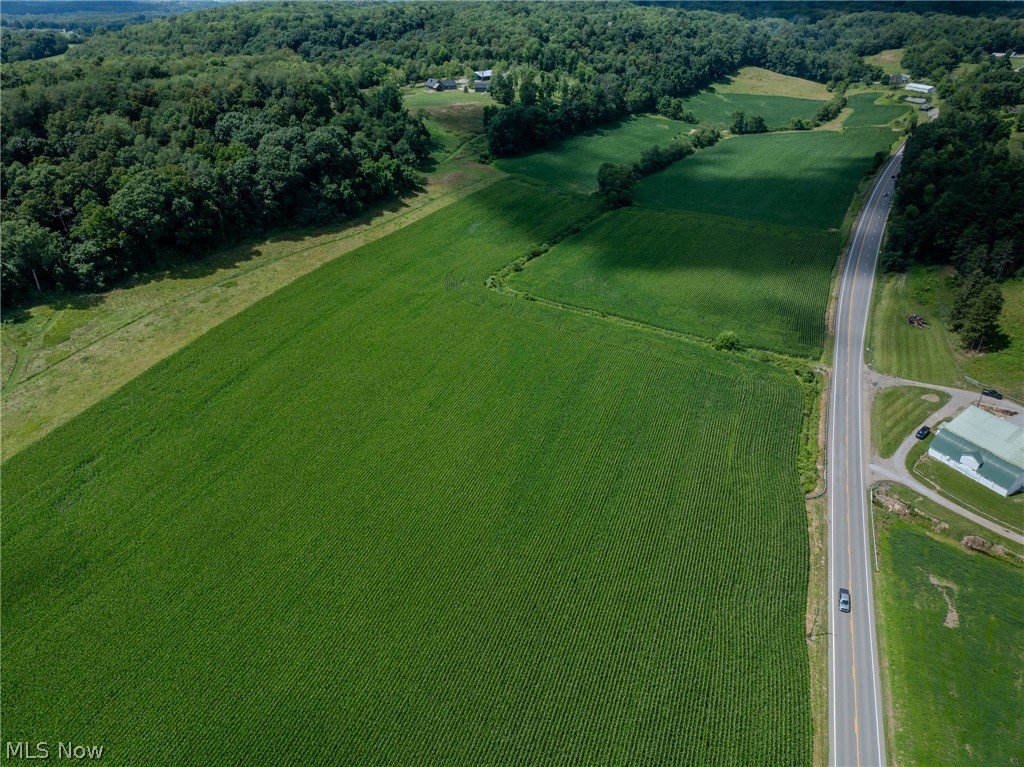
(387, 516)
(867, 113)
(797, 179)
(697, 274)
(954, 643)
(889, 60)
(763, 82)
(968, 493)
(573, 163)
(899, 411)
(716, 109)
(931, 355)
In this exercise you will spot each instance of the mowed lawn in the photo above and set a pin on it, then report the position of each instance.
(933, 354)
(698, 275)
(716, 108)
(898, 412)
(387, 516)
(798, 178)
(573, 163)
(956, 691)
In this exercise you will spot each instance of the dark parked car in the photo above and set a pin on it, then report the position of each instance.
(923, 432)
(844, 601)
(991, 393)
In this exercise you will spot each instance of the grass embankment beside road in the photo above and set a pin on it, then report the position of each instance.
(932, 354)
(545, 533)
(898, 412)
(951, 635)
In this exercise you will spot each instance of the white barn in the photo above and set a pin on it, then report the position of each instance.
(919, 88)
(984, 447)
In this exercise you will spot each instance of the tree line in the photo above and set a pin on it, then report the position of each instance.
(165, 139)
(960, 195)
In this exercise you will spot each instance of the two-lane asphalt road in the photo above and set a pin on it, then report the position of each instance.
(856, 735)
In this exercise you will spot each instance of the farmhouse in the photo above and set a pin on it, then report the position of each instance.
(483, 74)
(899, 79)
(988, 449)
(919, 88)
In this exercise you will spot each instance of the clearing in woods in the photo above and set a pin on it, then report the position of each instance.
(763, 82)
(468, 528)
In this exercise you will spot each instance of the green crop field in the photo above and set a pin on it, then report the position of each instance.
(867, 113)
(932, 354)
(388, 516)
(797, 178)
(698, 275)
(716, 109)
(573, 163)
(899, 411)
(954, 636)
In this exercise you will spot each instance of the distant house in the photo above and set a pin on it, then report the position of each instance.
(919, 88)
(481, 86)
(899, 79)
(439, 85)
(984, 447)
(483, 74)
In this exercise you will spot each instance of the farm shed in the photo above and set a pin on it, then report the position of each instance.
(919, 88)
(433, 85)
(481, 86)
(986, 448)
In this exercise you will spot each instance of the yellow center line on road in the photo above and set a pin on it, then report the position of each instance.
(849, 535)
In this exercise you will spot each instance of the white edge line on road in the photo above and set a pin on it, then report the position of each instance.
(848, 268)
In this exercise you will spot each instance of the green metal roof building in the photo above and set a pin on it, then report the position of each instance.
(988, 449)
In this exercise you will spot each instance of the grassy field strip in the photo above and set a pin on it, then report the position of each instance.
(798, 178)
(866, 113)
(118, 337)
(698, 275)
(899, 411)
(954, 640)
(470, 528)
(931, 354)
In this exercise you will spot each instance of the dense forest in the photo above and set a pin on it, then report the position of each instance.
(165, 139)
